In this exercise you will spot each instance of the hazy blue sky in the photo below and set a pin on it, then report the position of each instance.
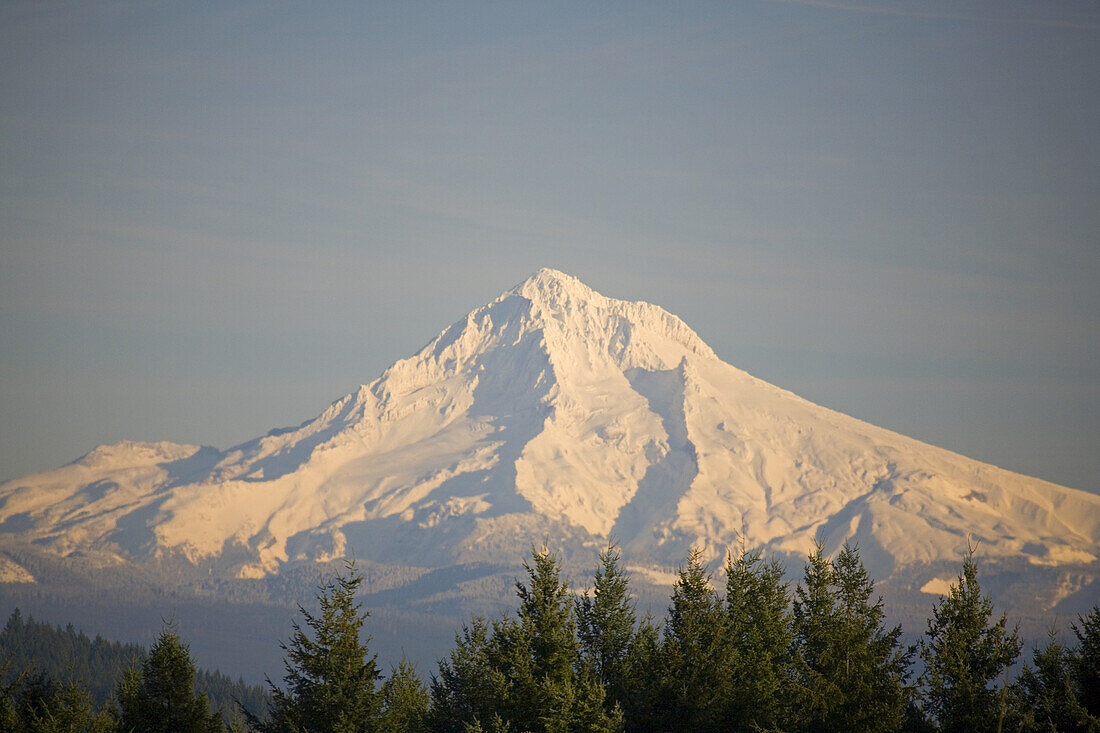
(216, 218)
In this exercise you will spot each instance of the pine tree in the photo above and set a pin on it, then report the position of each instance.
(31, 702)
(21, 697)
(1085, 661)
(10, 718)
(560, 693)
(1044, 697)
(760, 633)
(851, 669)
(70, 710)
(236, 722)
(404, 701)
(964, 654)
(605, 626)
(64, 654)
(545, 615)
(330, 675)
(472, 685)
(875, 669)
(523, 674)
(160, 696)
(815, 619)
(496, 725)
(643, 676)
(695, 653)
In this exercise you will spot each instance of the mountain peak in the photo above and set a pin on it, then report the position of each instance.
(548, 275)
(554, 411)
(634, 330)
(555, 289)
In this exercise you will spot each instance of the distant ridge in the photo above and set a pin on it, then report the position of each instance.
(64, 654)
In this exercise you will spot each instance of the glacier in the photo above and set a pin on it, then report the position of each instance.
(552, 412)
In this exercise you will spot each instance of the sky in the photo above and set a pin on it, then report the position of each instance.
(217, 218)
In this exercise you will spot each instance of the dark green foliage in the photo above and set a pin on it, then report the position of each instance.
(65, 654)
(817, 693)
(330, 675)
(605, 627)
(524, 674)
(760, 635)
(875, 673)
(1044, 698)
(1085, 663)
(850, 669)
(546, 618)
(32, 703)
(964, 654)
(236, 722)
(469, 687)
(160, 695)
(555, 691)
(623, 653)
(754, 661)
(643, 676)
(1052, 694)
(404, 701)
(495, 725)
(695, 654)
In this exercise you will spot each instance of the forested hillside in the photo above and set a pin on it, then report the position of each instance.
(65, 654)
(763, 655)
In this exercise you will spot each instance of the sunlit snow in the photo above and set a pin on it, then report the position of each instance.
(554, 410)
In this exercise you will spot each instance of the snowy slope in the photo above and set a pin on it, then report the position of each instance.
(552, 411)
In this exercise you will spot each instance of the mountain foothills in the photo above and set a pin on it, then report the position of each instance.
(554, 415)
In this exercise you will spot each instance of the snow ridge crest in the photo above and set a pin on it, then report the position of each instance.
(632, 332)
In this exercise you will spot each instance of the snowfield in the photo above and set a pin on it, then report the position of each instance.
(552, 411)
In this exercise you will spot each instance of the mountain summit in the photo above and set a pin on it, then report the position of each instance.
(554, 412)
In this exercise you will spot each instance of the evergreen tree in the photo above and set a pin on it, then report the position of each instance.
(496, 725)
(65, 654)
(33, 703)
(1084, 663)
(330, 674)
(69, 709)
(851, 668)
(20, 697)
(963, 655)
(236, 722)
(469, 687)
(695, 653)
(10, 719)
(815, 619)
(605, 626)
(760, 632)
(875, 670)
(159, 697)
(1045, 699)
(545, 615)
(643, 676)
(404, 701)
(526, 674)
(555, 690)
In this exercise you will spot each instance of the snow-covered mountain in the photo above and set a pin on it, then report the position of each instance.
(554, 412)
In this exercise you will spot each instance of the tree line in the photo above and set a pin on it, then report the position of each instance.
(762, 656)
(63, 654)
